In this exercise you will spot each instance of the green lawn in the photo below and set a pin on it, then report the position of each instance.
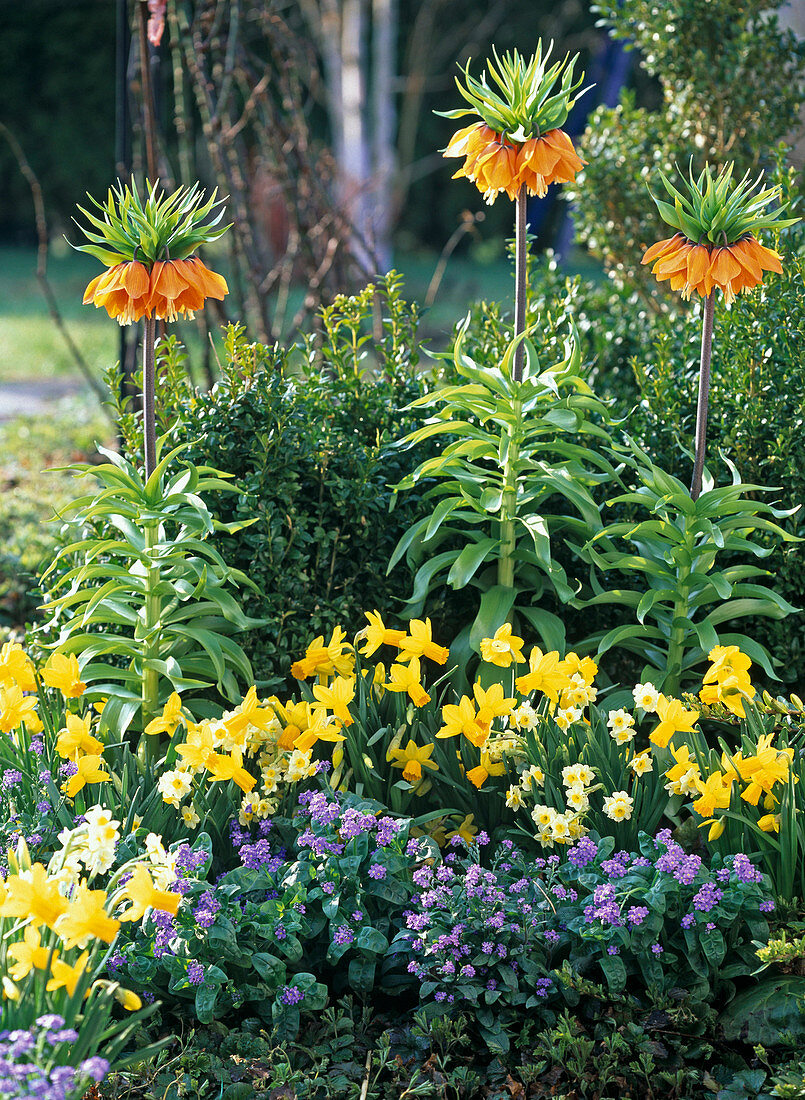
(31, 346)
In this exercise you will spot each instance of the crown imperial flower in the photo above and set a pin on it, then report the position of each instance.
(148, 249)
(715, 244)
(518, 141)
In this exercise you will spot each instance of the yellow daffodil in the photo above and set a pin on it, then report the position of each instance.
(573, 665)
(66, 976)
(673, 719)
(377, 634)
(76, 740)
(250, 713)
(28, 954)
(503, 649)
(684, 763)
(11, 992)
(726, 660)
(492, 704)
(769, 823)
(763, 780)
(33, 896)
(731, 691)
(128, 1000)
(479, 775)
(142, 893)
(90, 770)
(466, 830)
(545, 675)
(461, 718)
(727, 680)
(16, 708)
(62, 672)
(86, 918)
(714, 794)
(320, 727)
(169, 719)
(335, 658)
(764, 770)
(295, 717)
(379, 679)
(717, 827)
(434, 829)
(412, 759)
(16, 667)
(336, 698)
(407, 678)
(224, 768)
(199, 748)
(418, 642)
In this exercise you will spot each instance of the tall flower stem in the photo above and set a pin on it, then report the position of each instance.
(508, 510)
(150, 643)
(704, 394)
(682, 611)
(520, 279)
(149, 389)
(150, 676)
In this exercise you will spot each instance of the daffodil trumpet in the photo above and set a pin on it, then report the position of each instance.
(714, 247)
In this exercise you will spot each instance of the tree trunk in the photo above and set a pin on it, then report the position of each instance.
(352, 157)
(384, 75)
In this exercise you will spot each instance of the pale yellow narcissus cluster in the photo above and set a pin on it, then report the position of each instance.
(568, 685)
(564, 827)
(265, 738)
(274, 739)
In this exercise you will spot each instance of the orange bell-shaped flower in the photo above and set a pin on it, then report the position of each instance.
(123, 291)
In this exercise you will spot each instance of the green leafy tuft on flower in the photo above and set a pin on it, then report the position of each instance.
(525, 108)
(718, 208)
(165, 227)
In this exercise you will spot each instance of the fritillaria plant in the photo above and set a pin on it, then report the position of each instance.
(152, 272)
(517, 145)
(155, 578)
(715, 247)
